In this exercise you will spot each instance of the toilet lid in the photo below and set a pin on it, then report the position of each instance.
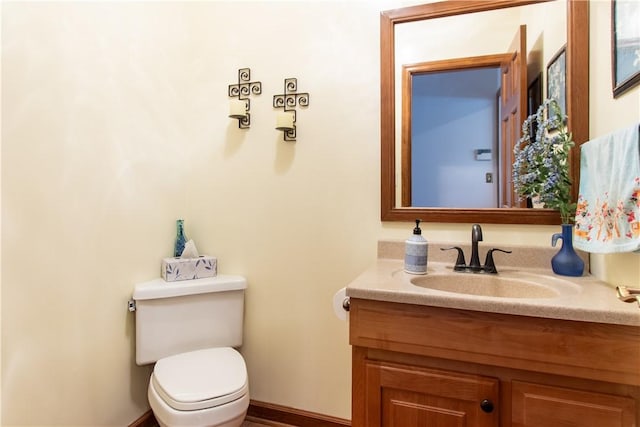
(201, 379)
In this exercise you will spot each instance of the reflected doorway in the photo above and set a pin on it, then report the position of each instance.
(455, 138)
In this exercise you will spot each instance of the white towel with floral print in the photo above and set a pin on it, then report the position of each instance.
(608, 213)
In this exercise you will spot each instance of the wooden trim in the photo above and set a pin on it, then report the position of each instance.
(146, 420)
(292, 416)
(358, 386)
(260, 411)
(451, 8)
(405, 145)
(387, 117)
(577, 84)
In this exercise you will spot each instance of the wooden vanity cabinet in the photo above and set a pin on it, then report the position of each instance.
(400, 395)
(539, 405)
(425, 366)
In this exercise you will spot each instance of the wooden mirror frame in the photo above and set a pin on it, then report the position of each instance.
(577, 110)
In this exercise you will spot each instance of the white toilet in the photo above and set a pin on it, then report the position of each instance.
(189, 328)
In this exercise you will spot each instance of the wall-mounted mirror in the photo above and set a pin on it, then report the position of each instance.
(419, 38)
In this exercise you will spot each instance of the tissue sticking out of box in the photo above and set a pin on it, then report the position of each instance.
(190, 250)
(190, 265)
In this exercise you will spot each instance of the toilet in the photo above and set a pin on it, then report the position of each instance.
(190, 329)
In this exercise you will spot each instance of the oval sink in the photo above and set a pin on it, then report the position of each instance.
(513, 285)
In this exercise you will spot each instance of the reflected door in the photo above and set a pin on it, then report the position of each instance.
(513, 107)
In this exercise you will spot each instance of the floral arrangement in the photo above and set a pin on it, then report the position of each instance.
(541, 166)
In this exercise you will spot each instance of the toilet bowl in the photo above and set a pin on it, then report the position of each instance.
(202, 388)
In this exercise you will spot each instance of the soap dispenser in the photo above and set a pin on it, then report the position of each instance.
(416, 249)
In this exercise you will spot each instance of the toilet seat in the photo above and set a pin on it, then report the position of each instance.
(201, 379)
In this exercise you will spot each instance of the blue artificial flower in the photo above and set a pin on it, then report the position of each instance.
(541, 164)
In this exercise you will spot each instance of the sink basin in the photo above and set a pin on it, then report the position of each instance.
(509, 285)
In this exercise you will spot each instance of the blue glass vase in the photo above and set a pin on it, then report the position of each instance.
(566, 262)
(181, 238)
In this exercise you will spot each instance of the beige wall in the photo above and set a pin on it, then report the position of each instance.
(114, 125)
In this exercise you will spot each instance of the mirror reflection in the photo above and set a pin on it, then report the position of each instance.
(392, 109)
(451, 152)
(453, 148)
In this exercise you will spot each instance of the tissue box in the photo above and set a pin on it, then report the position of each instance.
(174, 269)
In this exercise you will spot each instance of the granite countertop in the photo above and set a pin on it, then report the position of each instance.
(579, 298)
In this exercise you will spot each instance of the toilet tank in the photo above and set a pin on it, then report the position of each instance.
(176, 317)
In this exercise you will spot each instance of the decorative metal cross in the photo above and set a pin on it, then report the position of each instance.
(242, 90)
(289, 100)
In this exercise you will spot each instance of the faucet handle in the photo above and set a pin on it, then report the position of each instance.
(489, 264)
(461, 264)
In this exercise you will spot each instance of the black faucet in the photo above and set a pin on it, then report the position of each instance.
(476, 236)
(474, 265)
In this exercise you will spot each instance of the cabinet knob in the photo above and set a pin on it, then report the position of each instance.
(487, 406)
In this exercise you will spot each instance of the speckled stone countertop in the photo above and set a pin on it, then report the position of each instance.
(579, 298)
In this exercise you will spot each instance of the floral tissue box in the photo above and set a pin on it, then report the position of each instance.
(175, 269)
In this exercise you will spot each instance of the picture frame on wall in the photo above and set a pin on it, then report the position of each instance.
(534, 95)
(557, 78)
(534, 100)
(625, 45)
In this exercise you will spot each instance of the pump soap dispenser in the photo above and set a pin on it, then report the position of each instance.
(416, 249)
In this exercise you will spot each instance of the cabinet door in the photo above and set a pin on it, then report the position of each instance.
(407, 396)
(536, 405)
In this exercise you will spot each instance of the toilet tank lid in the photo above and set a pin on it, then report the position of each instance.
(158, 288)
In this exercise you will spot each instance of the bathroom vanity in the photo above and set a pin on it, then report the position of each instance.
(429, 357)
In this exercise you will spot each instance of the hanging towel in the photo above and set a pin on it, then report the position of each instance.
(608, 212)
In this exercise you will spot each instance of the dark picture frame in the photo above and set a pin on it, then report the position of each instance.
(534, 95)
(534, 100)
(625, 45)
(557, 78)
